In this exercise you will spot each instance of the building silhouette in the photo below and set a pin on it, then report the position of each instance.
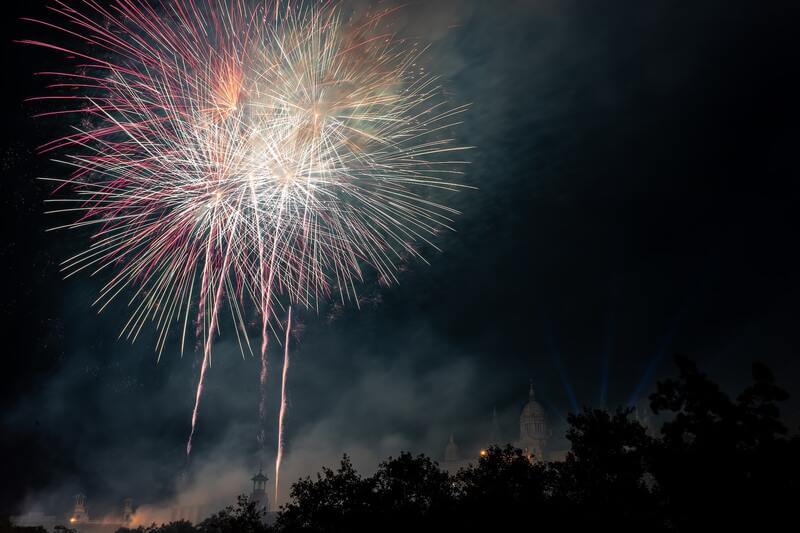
(534, 439)
(80, 514)
(259, 494)
(534, 431)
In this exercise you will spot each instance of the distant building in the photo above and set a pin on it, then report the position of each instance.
(82, 523)
(127, 510)
(197, 513)
(453, 459)
(80, 514)
(534, 431)
(494, 432)
(534, 438)
(78, 518)
(259, 494)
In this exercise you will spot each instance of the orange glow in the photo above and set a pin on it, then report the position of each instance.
(226, 89)
(484, 453)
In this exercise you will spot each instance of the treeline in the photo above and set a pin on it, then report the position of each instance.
(717, 464)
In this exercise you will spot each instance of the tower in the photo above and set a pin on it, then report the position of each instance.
(494, 432)
(80, 515)
(451, 452)
(259, 494)
(127, 510)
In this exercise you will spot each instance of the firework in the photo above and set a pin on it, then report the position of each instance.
(229, 156)
(282, 412)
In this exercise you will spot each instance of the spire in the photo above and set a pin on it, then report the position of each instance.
(259, 494)
(530, 391)
(259, 479)
(451, 452)
(494, 434)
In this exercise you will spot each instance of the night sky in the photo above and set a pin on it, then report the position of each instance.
(636, 167)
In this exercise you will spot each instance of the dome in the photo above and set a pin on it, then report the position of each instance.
(533, 420)
(533, 410)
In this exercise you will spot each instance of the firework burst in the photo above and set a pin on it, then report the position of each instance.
(232, 155)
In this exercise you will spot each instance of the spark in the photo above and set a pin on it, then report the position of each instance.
(233, 155)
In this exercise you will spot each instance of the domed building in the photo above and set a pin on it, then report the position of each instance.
(534, 438)
(534, 431)
(454, 459)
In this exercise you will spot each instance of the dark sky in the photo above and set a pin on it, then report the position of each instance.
(636, 165)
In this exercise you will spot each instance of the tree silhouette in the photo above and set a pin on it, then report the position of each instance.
(722, 464)
(500, 489)
(244, 517)
(334, 501)
(604, 480)
(411, 491)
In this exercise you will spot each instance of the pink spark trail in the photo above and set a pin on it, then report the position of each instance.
(282, 413)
